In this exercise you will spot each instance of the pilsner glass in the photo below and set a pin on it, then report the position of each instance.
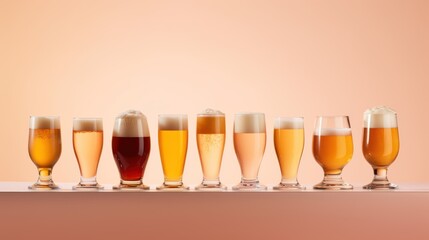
(211, 142)
(380, 144)
(131, 148)
(289, 144)
(249, 145)
(87, 145)
(333, 149)
(44, 148)
(173, 146)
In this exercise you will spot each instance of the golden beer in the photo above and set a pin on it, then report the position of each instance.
(173, 146)
(289, 144)
(333, 151)
(380, 146)
(211, 142)
(44, 147)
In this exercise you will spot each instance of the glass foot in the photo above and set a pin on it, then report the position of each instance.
(211, 187)
(131, 185)
(249, 185)
(38, 186)
(380, 186)
(165, 187)
(288, 186)
(88, 187)
(333, 182)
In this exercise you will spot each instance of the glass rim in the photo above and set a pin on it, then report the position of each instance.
(210, 114)
(173, 115)
(332, 116)
(249, 113)
(288, 118)
(87, 118)
(50, 116)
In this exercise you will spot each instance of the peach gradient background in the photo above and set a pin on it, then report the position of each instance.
(283, 58)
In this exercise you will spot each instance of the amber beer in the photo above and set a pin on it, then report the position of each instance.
(210, 142)
(44, 148)
(249, 145)
(173, 146)
(289, 144)
(87, 145)
(131, 148)
(380, 144)
(333, 149)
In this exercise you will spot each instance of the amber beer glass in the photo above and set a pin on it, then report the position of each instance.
(44, 148)
(380, 144)
(173, 146)
(131, 148)
(289, 144)
(87, 145)
(249, 144)
(211, 142)
(333, 149)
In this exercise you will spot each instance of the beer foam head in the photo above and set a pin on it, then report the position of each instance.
(249, 123)
(380, 117)
(289, 123)
(131, 124)
(88, 124)
(173, 122)
(210, 112)
(333, 132)
(37, 122)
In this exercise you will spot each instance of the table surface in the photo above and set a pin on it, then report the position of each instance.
(310, 214)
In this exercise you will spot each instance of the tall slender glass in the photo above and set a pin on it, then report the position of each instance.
(380, 144)
(131, 148)
(44, 148)
(87, 145)
(211, 142)
(289, 144)
(173, 146)
(333, 149)
(249, 144)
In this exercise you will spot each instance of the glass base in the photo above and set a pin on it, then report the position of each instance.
(131, 185)
(380, 186)
(211, 187)
(288, 186)
(249, 185)
(333, 182)
(81, 186)
(38, 186)
(165, 187)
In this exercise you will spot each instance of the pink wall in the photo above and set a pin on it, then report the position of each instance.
(284, 58)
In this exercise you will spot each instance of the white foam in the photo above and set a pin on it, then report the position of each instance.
(37, 122)
(249, 123)
(173, 122)
(211, 112)
(333, 132)
(88, 124)
(289, 123)
(380, 117)
(131, 124)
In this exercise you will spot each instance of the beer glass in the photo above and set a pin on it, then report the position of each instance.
(211, 142)
(131, 148)
(44, 148)
(173, 146)
(289, 144)
(87, 146)
(333, 149)
(380, 144)
(249, 145)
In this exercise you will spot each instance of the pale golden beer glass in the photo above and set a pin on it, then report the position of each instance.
(249, 144)
(87, 146)
(173, 146)
(333, 149)
(44, 148)
(380, 144)
(289, 144)
(211, 142)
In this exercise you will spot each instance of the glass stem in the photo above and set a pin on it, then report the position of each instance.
(380, 175)
(45, 176)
